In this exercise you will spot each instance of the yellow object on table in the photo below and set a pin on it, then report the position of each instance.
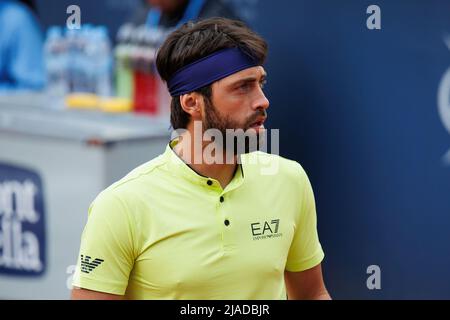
(82, 101)
(116, 105)
(94, 102)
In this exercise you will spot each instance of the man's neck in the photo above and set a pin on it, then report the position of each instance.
(222, 172)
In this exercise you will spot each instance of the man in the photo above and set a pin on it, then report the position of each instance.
(184, 227)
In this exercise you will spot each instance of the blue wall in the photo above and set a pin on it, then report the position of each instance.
(358, 109)
(99, 12)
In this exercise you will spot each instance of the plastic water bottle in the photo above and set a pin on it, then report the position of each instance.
(123, 69)
(75, 44)
(103, 61)
(55, 53)
(145, 78)
(88, 59)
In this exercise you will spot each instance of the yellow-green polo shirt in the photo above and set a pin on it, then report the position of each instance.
(166, 232)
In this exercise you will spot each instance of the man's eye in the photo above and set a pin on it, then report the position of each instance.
(262, 84)
(244, 87)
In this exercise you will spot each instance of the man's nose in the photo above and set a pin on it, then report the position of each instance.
(261, 101)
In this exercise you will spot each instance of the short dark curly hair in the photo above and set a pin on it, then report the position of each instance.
(193, 41)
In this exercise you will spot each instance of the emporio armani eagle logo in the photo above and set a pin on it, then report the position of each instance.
(86, 264)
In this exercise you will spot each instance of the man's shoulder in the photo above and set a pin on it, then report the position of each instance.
(145, 173)
(120, 200)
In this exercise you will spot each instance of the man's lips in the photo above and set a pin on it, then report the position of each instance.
(258, 123)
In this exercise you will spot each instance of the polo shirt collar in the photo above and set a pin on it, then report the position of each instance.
(180, 168)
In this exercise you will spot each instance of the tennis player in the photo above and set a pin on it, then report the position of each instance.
(204, 220)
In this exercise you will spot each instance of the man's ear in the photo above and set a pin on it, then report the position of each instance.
(192, 104)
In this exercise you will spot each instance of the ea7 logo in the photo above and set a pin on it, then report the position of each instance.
(266, 229)
(86, 264)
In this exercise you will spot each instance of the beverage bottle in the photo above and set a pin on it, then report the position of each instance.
(124, 82)
(103, 61)
(145, 78)
(55, 55)
(164, 97)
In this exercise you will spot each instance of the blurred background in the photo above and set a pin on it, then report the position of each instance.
(365, 111)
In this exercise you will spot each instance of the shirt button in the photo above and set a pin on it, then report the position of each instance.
(221, 199)
(227, 222)
(209, 182)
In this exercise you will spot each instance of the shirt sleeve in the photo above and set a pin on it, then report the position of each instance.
(305, 251)
(107, 250)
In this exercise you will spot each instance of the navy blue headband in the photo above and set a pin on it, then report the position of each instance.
(209, 69)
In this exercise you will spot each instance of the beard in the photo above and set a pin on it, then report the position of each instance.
(242, 138)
